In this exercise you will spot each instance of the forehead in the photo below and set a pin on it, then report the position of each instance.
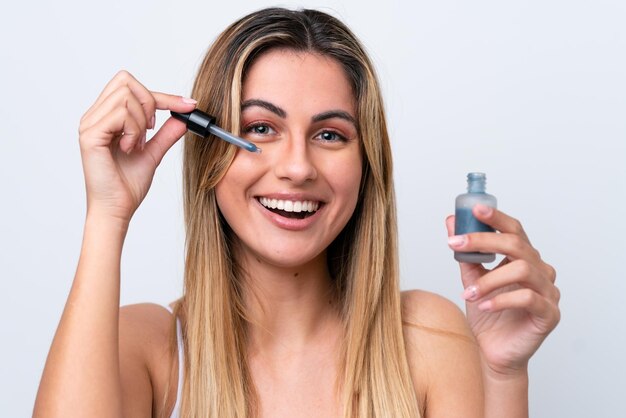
(305, 80)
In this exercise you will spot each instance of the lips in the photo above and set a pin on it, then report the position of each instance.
(298, 209)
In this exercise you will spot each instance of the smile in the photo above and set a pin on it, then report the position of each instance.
(299, 209)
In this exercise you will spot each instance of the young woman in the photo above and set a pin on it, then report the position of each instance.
(292, 306)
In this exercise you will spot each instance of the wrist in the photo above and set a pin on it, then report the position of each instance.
(104, 233)
(103, 236)
(505, 375)
(101, 220)
(505, 391)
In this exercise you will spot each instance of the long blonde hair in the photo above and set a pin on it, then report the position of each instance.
(375, 379)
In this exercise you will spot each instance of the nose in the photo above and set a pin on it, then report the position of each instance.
(294, 163)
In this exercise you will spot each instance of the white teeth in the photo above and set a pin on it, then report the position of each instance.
(289, 205)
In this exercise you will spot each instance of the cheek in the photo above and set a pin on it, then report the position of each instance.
(346, 180)
(225, 202)
(230, 192)
(222, 196)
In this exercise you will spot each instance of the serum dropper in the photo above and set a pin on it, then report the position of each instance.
(466, 222)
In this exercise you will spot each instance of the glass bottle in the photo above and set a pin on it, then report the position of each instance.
(466, 223)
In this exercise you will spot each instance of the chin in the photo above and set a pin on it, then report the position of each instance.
(289, 258)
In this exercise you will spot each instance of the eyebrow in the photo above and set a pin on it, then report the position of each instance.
(265, 105)
(341, 114)
(330, 114)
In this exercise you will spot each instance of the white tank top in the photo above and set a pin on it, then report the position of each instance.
(179, 340)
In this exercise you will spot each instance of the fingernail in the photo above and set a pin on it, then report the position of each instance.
(484, 210)
(486, 305)
(470, 293)
(187, 100)
(457, 241)
(152, 121)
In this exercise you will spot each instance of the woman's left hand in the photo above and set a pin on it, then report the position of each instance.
(512, 308)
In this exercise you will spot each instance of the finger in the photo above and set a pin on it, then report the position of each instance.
(499, 220)
(551, 272)
(546, 311)
(165, 101)
(450, 225)
(512, 245)
(122, 97)
(469, 272)
(171, 131)
(133, 134)
(111, 127)
(124, 79)
(517, 272)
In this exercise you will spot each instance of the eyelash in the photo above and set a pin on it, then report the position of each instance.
(250, 128)
(339, 138)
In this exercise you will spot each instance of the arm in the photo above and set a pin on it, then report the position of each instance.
(81, 376)
(82, 373)
(511, 309)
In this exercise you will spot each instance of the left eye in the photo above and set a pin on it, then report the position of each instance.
(330, 136)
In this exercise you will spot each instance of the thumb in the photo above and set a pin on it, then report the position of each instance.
(469, 272)
(171, 131)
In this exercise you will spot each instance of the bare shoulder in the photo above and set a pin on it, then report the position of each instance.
(148, 321)
(421, 302)
(429, 311)
(443, 355)
(145, 331)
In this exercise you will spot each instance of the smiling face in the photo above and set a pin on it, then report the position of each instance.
(287, 204)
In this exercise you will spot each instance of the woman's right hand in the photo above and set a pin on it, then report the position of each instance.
(118, 164)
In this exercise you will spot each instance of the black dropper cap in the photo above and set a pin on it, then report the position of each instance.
(197, 121)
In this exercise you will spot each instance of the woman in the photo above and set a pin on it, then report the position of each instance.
(292, 304)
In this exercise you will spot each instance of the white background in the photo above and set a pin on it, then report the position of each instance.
(531, 92)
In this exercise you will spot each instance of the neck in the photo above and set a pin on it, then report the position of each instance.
(288, 308)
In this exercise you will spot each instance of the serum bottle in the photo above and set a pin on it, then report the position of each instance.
(465, 222)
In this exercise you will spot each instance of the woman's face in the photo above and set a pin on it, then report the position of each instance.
(287, 204)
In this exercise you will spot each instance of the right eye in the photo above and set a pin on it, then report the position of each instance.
(259, 129)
